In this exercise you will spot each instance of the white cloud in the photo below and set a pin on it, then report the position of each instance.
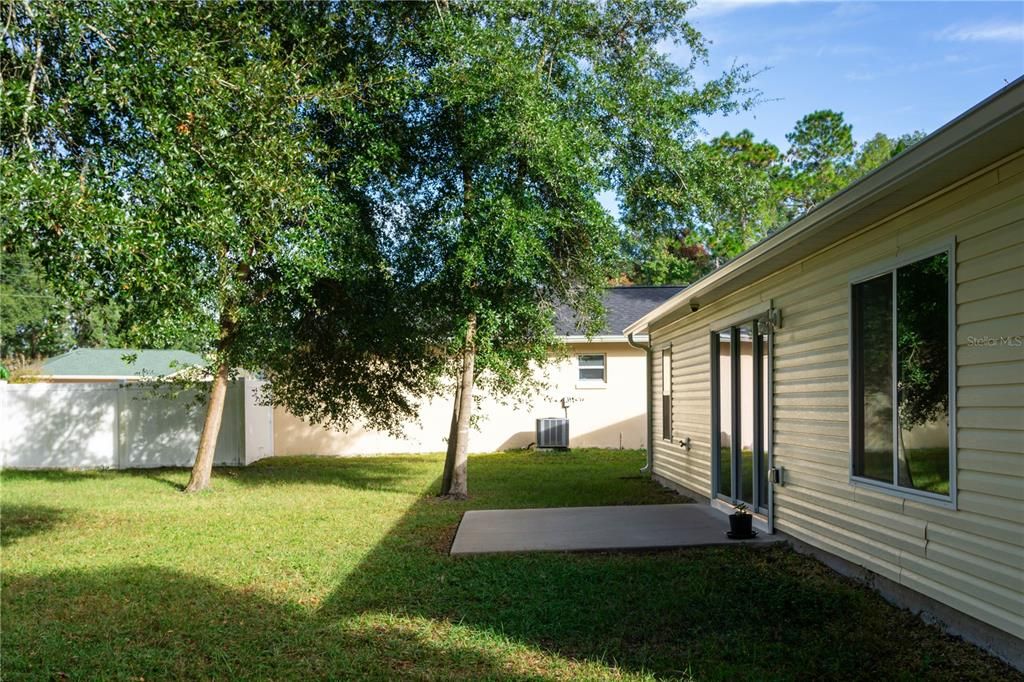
(860, 76)
(844, 50)
(973, 33)
(710, 8)
(853, 9)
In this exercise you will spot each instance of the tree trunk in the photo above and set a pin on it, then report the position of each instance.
(453, 437)
(906, 478)
(30, 98)
(203, 467)
(456, 458)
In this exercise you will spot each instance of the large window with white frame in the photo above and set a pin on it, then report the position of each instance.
(901, 332)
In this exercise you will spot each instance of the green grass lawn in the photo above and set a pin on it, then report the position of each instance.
(299, 568)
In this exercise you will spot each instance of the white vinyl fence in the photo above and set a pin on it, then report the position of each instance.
(111, 425)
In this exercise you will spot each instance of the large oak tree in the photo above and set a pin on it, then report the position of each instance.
(183, 161)
(360, 202)
(525, 113)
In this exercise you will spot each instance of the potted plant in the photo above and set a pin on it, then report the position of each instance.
(740, 522)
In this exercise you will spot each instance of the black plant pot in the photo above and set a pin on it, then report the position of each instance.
(740, 526)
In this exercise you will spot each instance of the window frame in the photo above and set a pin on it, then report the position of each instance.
(889, 267)
(604, 368)
(667, 406)
(762, 417)
(756, 315)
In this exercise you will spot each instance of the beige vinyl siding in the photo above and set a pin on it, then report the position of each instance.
(970, 557)
(656, 384)
(691, 411)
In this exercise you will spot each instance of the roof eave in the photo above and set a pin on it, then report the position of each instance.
(83, 377)
(602, 338)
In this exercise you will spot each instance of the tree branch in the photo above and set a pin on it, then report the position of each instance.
(30, 97)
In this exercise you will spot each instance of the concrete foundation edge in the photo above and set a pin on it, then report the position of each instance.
(681, 489)
(999, 643)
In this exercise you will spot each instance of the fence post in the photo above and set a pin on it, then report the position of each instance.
(4, 434)
(119, 424)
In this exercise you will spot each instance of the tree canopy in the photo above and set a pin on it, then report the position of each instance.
(180, 161)
(525, 113)
(366, 203)
(758, 188)
(362, 203)
(36, 323)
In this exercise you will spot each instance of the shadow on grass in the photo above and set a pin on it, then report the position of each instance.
(164, 475)
(53, 475)
(173, 477)
(355, 473)
(408, 610)
(706, 613)
(716, 613)
(24, 520)
(132, 622)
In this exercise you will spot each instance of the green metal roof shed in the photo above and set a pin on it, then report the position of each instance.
(108, 364)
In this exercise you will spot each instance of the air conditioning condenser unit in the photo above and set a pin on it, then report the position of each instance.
(553, 432)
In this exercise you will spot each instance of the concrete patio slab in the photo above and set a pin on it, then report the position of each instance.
(594, 529)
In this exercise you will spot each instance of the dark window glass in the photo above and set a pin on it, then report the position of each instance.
(873, 418)
(916, 379)
(666, 395)
(740, 395)
(747, 421)
(591, 367)
(762, 474)
(922, 371)
(725, 435)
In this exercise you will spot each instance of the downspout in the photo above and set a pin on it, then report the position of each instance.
(648, 467)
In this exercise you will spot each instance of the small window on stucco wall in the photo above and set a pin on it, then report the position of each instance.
(591, 367)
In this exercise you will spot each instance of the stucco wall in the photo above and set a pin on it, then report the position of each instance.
(604, 415)
(968, 557)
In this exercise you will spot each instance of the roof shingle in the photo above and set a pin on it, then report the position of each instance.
(622, 306)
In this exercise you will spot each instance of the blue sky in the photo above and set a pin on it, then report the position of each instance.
(891, 67)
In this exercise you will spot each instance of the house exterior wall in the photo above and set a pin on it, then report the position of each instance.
(968, 557)
(607, 414)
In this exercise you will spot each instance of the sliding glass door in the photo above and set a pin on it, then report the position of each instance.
(739, 414)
